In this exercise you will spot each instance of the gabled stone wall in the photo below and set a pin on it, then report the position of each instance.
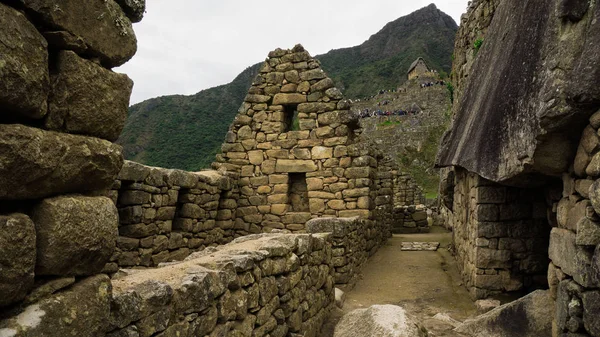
(269, 156)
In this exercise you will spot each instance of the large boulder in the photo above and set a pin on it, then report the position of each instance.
(530, 93)
(17, 257)
(87, 98)
(76, 235)
(101, 25)
(82, 310)
(378, 321)
(530, 316)
(36, 164)
(23, 66)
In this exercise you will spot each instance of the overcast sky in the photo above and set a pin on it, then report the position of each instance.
(185, 46)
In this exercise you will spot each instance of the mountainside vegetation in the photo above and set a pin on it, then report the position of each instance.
(186, 131)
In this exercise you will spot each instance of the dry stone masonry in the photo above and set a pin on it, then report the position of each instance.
(91, 245)
(522, 190)
(62, 107)
(292, 145)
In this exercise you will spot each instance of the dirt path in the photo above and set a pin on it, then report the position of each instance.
(424, 283)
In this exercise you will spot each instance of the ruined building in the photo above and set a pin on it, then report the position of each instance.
(523, 155)
(91, 245)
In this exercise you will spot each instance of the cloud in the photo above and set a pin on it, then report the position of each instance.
(185, 46)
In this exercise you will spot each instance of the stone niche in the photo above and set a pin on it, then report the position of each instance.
(292, 147)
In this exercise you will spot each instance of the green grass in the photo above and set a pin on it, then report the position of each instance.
(419, 164)
(389, 123)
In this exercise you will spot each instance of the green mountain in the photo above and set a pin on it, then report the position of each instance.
(187, 131)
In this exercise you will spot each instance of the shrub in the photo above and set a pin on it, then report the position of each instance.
(477, 45)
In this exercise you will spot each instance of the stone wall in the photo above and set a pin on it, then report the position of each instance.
(574, 273)
(406, 191)
(410, 219)
(354, 240)
(62, 107)
(500, 235)
(165, 215)
(260, 285)
(292, 146)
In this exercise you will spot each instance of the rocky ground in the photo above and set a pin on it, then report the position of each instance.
(425, 283)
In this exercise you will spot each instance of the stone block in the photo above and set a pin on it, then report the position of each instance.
(577, 213)
(110, 38)
(356, 192)
(487, 212)
(283, 99)
(573, 260)
(361, 213)
(322, 85)
(134, 197)
(295, 166)
(296, 218)
(589, 140)
(491, 194)
(321, 152)
(588, 233)
(593, 168)
(256, 157)
(25, 80)
(492, 229)
(76, 235)
(37, 163)
(17, 257)
(82, 310)
(591, 312)
(180, 178)
(357, 172)
(132, 171)
(581, 162)
(492, 258)
(87, 99)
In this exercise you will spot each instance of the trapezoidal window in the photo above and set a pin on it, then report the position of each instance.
(292, 123)
(298, 192)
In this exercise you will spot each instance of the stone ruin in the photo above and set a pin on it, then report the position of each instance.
(92, 245)
(521, 182)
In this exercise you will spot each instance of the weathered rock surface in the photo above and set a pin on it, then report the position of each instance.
(134, 9)
(76, 235)
(518, 113)
(87, 98)
(23, 66)
(116, 43)
(17, 257)
(530, 316)
(36, 163)
(82, 310)
(380, 321)
(572, 259)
